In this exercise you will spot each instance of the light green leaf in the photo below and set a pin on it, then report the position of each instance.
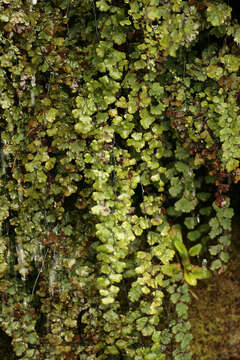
(108, 300)
(195, 250)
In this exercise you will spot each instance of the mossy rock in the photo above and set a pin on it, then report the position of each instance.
(215, 316)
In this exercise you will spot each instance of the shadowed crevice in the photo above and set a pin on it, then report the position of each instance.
(6, 350)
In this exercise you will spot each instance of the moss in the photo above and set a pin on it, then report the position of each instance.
(215, 316)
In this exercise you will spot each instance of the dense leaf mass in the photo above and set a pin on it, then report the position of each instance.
(120, 140)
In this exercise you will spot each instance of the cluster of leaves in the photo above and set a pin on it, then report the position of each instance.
(119, 140)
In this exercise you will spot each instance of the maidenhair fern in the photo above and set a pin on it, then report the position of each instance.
(119, 143)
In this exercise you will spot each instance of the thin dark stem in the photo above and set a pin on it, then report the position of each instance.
(95, 19)
(40, 271)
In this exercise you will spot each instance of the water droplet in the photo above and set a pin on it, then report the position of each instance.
(53, 272)
(23, 270)
(25, 302)
(20, 195)
(38, 254)
(32, 97)
(190, 172)
(33, 81)
(52, 276)
(3, 163)
(204, 263)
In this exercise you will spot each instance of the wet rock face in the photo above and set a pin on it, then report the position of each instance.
(215, 316)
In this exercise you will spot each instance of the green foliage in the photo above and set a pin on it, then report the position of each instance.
(119, 138)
